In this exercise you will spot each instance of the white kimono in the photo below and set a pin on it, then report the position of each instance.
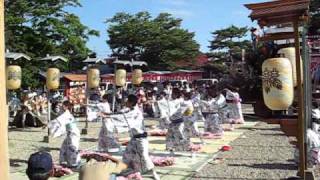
(69, 151)
(191, 128)
(166, 109)
(235, 107)
(136, 155)
(107, 140)
(176, 138)
(215, 107)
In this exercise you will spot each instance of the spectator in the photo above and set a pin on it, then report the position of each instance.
(40, 166)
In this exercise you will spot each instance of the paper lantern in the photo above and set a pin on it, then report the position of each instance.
(53, 78)
(277, 83)
(93, 78)
(13, 77)
(137, 77)
(121, 77)
(290, 53)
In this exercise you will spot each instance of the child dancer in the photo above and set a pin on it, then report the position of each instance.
(65, 123)
(107, 141)
(234, 103)
(163, 107)
(190, 124)
(176, 139)
(213, 123)
(136, 155)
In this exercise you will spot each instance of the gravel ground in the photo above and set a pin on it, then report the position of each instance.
(262, 153)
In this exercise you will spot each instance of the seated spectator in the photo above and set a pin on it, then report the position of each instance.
(40, 166)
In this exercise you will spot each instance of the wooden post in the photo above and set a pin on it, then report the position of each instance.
(301, 128)
(4, 152)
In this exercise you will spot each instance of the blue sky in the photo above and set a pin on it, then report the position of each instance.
(199, 16)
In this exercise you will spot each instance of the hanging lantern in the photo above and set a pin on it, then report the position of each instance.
(53, 78)
(13, 77)
(277, 83)
(93, 78)
(121, 77)
(137, 77)
(290, 53)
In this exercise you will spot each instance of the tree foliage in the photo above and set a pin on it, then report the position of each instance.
(160, 41)
(41, 27)
(229, 42)
(315, 17)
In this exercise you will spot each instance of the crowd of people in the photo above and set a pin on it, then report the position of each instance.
(178, 108)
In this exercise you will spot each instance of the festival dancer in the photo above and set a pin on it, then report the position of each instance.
(176, 139)
(190, 124)
(214, 106)
(65, 124)
(234, 103)
(136, 155)
(107, 141)
(163, 107)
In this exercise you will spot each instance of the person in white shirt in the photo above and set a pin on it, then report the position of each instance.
(136, 156)
(65, 124)
(107, 141)
(234, 103)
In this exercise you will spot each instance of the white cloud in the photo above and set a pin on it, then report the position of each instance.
(178, 12)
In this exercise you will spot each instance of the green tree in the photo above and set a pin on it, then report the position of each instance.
(229, 41)
(160, 41)
(41, 27)
(315, 17)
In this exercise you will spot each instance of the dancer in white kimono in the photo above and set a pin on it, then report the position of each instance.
(65, 124)
(190, 124)
(107, 141)
(175, 138)
(136, 155)
(214, 107)
(163, 106)
(234, 103)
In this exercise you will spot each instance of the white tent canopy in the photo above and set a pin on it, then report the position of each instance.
(131, 63)
(54, 58)
(17, 56)
(95, 60)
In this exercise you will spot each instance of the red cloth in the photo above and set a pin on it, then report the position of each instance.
(158, 132)
(134, 176)
(162, 161)
(97, 156)
(195, 147)
(59, 171)
(226, 148)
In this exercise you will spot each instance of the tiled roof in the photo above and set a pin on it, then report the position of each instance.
(280, 10)
(76, 77)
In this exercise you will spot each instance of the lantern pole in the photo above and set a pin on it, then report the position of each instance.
(114, 89)
(4, 150)
(46, 138)
(84, 131)
(301, 126)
